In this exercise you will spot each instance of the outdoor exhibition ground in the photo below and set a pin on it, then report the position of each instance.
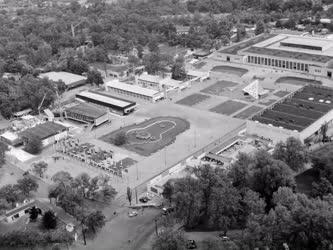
(151, 135)
(213, 109)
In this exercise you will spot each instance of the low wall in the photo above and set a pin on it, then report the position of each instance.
(270, 132)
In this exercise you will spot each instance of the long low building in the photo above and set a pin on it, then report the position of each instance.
(300, 115)
(70, 80)
(87, 113)
(302, 54)
(134, 91)
(47, 132)
(112, 103)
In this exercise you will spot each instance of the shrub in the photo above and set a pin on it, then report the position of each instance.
(120, 139)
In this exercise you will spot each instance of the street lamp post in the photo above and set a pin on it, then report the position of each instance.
(156, 231)
(165, 159)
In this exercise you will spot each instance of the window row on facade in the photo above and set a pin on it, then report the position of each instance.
(278, 63)
(124, 92)
(79, 117)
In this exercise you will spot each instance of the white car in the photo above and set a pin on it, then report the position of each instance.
(132, 213)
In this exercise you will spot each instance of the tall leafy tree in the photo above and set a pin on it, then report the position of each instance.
(94, 77)
(187, 200)
(3, 149)
(27, 185)
(129, 195)
(321, 188)
(39, 168)
(49, 220)
(178, 69)
(260, 27)
(168, 240)
(168, 191)
(224, 207)
(293, 152)
(270, 174)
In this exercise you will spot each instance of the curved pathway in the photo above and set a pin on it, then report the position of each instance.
(160, 135)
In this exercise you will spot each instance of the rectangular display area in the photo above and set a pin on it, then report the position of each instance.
(300, 111)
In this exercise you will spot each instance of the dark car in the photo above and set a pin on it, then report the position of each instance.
(224, 237)
(167, 210)
(190, 244)
(144, 199)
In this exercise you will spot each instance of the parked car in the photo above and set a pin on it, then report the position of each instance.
(132, 213)
(167, 210)
(190, 244)
(224, 237)
(144, 199)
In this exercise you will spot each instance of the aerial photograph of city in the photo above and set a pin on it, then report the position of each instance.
(166, 124)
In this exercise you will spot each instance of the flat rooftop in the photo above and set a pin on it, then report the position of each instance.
(324, 44)
(87, 109)
(305, 48)
(44, 130)
(106, 98)
(300, 110)
(67, 78)
(150, 78)
(131, 88)
(289, 54)
(247, 43)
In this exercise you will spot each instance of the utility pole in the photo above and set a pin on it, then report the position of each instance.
(165, 159)
(156, 227)
(136, 195)
(195, 138)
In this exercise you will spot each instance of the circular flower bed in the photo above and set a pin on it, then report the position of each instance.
(143, 135)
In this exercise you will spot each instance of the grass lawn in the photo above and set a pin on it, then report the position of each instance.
(192, 100)
(281, 93)
(219, 87)
(248, 112)
(267, 102)
(151, 135)
(228, 107)
(297, 80)
(230, 70)
(199, 65)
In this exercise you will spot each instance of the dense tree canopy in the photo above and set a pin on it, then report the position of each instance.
(257, 194)
(292, 152)
(28, 92)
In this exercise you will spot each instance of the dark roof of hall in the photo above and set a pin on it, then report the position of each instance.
(299, 110)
